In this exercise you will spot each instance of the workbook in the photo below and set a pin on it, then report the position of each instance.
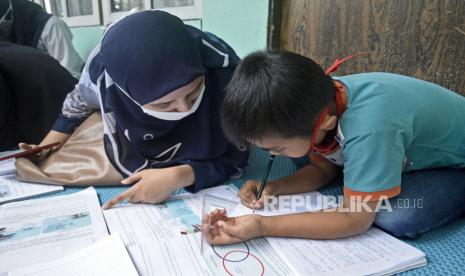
(43, 229)
(164, 239)
(12, 189)
(67, 235)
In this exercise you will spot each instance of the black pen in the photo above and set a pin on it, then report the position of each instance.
(265, 178)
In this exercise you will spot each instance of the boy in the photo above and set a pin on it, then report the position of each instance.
(386, 131)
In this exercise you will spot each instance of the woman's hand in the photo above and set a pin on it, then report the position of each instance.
(154, 185)
(52, 137)
(223, 230)
(248, 193)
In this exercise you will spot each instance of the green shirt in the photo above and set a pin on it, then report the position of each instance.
(396, 124)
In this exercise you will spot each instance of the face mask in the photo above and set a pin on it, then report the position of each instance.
(169, 116)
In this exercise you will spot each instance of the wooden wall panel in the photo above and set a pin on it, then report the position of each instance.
(420, 38)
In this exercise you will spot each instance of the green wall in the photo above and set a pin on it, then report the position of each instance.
(241, 23)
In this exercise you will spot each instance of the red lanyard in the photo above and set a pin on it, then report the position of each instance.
(332, 145)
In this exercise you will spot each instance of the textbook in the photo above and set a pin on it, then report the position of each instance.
(43, 229)
(13, 190)
(164, 239)
(68, 235)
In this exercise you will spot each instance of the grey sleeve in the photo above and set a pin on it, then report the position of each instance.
(84, 99)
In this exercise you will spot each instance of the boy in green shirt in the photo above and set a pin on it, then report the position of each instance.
(394, 137)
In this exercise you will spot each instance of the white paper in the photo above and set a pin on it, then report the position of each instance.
(152, 234)
(12, 189)
(37, 230)
(7, 167)
(139, 223)
(107, 257)
(372, 253)
(181, 256)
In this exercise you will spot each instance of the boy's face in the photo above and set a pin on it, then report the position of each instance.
(291, 147)
(296, 147)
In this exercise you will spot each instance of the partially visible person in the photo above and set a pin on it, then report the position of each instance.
(160, 98)
(394, 138)
(26, 23)
(33, 86)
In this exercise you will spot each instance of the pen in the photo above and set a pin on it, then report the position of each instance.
(265, 178)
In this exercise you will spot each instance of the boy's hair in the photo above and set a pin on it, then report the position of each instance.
(274, 94)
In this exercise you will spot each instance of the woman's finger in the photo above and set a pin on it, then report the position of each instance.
(132, 179)
(121, 197)
(25, 146)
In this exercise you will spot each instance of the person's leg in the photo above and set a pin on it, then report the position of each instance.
(429, 199)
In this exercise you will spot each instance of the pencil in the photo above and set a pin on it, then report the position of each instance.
(264, 180)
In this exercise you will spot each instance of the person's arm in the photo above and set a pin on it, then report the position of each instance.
(322, 225)
(307, 179)
(77, 106)
(372, 173)
(310, 225)
(156, 185)
(209, 173)
(57, 40)
(79, 103)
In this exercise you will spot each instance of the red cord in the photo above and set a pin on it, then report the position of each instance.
(338, 62)
(241, 251)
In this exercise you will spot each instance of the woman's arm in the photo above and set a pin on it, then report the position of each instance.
(77, 106)
(79, 103)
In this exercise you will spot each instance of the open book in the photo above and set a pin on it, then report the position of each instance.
(43, 229)
(162, 240)
(13, 190)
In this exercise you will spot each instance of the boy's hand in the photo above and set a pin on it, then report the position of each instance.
(154, 185)
(248, 193)
(233, 230)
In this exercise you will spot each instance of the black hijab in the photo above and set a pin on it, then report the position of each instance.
(28, 18)
(144, 57)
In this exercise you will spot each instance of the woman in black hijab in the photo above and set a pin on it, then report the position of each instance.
(159, 85)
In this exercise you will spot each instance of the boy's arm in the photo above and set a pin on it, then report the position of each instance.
(322, 225)
(310, 225)
(309, 178)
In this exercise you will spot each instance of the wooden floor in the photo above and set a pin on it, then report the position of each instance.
(424, 39)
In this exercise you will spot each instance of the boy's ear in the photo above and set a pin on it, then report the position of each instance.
(329, 123)
(339, 86)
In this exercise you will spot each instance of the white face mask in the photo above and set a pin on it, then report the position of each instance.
(169, 116)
